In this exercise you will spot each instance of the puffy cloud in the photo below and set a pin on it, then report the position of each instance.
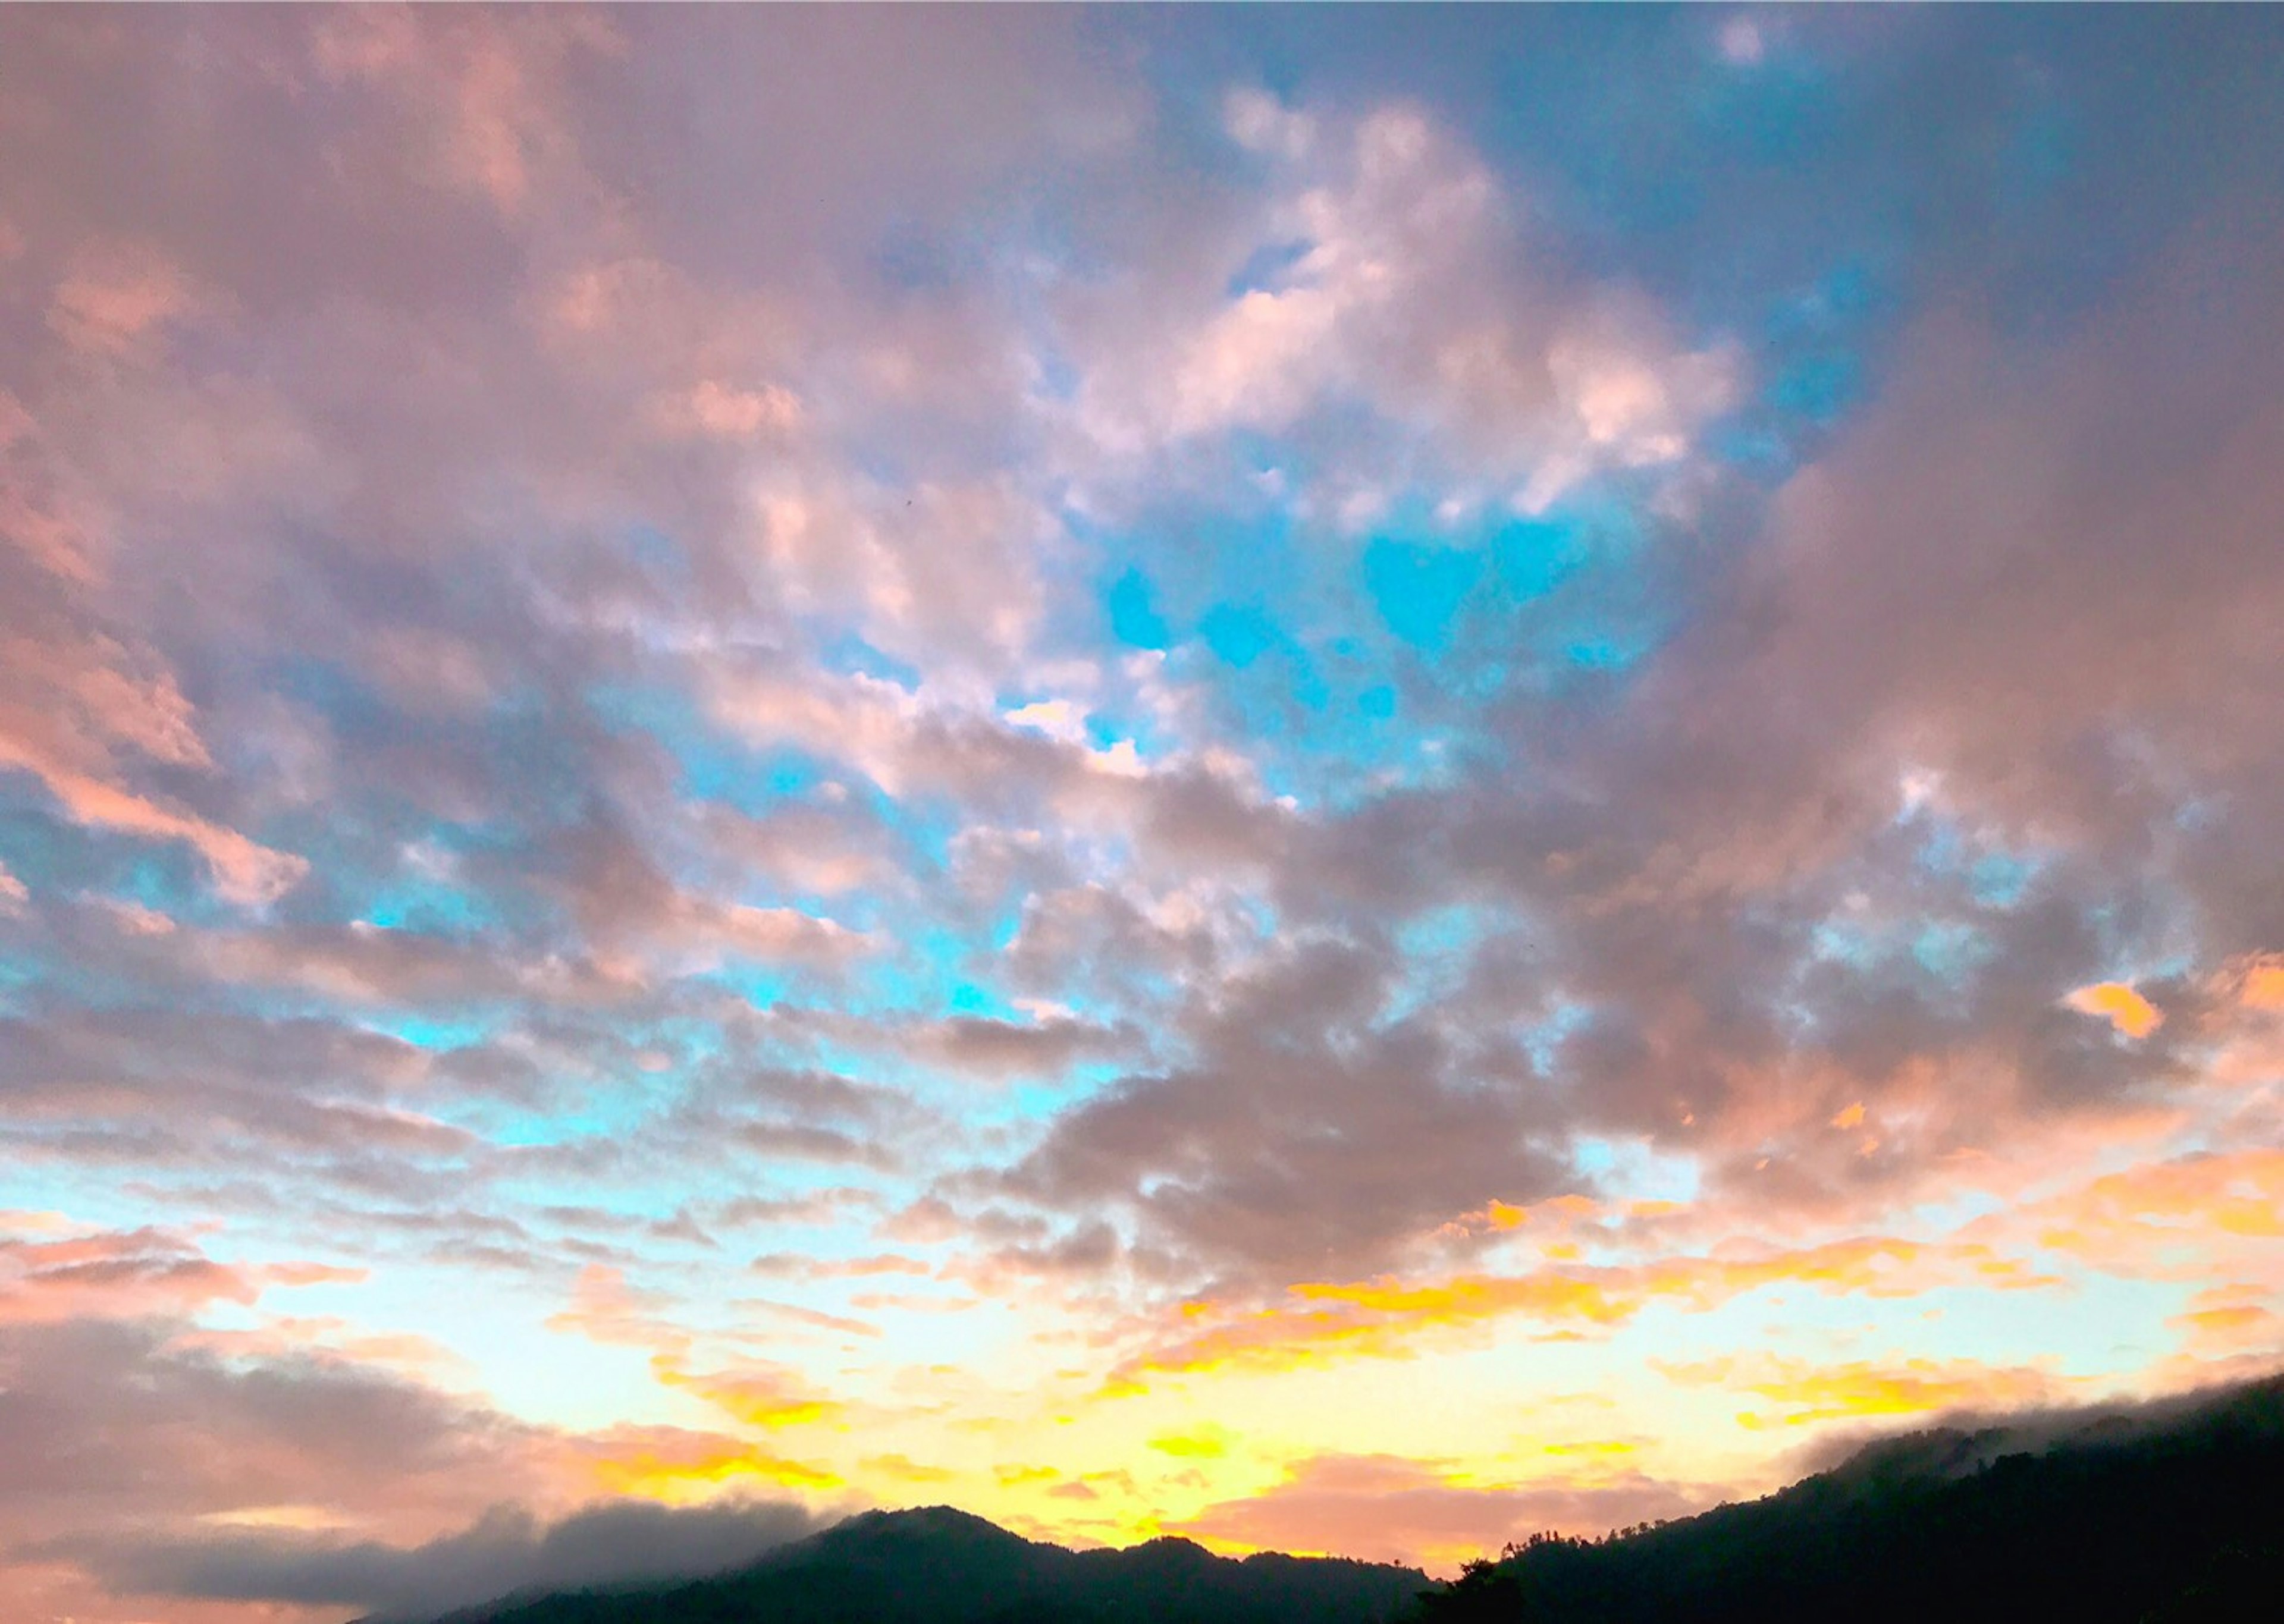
(2138, 1220)
(1295, 1143)
(1409, 283)
(125, 1429)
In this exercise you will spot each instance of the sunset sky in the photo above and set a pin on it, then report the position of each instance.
(1343, 780)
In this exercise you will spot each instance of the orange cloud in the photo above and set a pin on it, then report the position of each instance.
(1492, 1217)
(2124, 1008)
(2260, 982)
(2146, 1219)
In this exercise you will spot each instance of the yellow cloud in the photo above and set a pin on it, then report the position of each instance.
(655, 1477)
(1206, 1443)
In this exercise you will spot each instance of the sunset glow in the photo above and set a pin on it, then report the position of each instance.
(1349, 780)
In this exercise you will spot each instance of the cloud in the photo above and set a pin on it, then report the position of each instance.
(209, 1466)
(112, 1417)
(2138, 1220)
(2124, 1008)
(1410, 287)
(145, 1273)
(119, 293)
(1295, 1143)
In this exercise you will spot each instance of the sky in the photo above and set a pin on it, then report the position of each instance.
(1344, 780)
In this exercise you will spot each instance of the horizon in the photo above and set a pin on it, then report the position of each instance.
(1343, 780)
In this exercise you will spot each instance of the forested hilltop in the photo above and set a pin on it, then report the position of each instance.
(2171, 1515)
(2166, 1516)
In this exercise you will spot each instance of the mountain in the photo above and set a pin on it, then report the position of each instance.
(2168, 1515)
(2171, 1516)
(939, 1566)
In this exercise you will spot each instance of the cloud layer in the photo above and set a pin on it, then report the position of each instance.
(758, 762)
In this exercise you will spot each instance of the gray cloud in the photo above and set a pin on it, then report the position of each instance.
(1297, 1142)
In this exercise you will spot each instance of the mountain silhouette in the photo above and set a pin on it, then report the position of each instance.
(2169, 1514)
(941, 1566)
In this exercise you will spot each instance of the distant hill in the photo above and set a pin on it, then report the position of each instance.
(2167, 1516)
(944, 1567)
